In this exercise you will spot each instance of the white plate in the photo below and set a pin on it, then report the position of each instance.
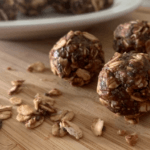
(51, 23)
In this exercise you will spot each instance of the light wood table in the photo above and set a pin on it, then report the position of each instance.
(83, 101)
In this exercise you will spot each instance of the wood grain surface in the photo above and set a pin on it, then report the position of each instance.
(83, 101)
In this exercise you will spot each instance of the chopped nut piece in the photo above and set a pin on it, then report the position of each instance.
(5, 115)
(121, 132)
(25, 110)
(72, 129)
(15, 100)
(5, 108)
(33, 122)
(131, 139)
(97, 127)
(37, 66)
(13, 90)
(57, 131)
(22, 118)
(54, 92)
(17, 82)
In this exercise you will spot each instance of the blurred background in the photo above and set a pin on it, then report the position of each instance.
(146, 3)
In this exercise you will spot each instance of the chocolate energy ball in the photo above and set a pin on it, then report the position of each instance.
(8, 10)
(123, 84)
(76, 57)
(61, 6)
(32, 7)
(86, 6)
(134, 35)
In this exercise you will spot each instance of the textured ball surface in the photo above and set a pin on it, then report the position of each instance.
(61, 6)
(8, 10)
(123, 84)
(32, 7)
(132, 36)
(86, 6)
(76, 57)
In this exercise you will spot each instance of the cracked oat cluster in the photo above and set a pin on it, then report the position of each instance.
(8, 10)
(31, 7)
(123, 85)
(76, 57)
(134, 35)
(86, 6)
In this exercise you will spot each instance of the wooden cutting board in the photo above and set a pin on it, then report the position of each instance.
(83, 101)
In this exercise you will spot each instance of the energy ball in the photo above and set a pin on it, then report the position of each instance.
(123, 85)
(8, 10)
(132, 36)
(32, 7)
(86, 6)
(61, 6)
(76, 57)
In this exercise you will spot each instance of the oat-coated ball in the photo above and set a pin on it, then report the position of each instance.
(32, 7)
(86, 6)
(61, 6)
(123, 84)
(8, 10)
(76, 57)
(134, 35)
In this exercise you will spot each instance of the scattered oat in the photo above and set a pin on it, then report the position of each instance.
(5, 115)
(44, 103)
(131, 139)
(97, 127)
(25, 110)
(121, 132)
(5, 108)
(13, 90)
(15, 100)
(22, 118)
(72, 129)
(53, 92)
(34, 122)
(37, 66)
(17, 82)
(57, 131)
(16, 86)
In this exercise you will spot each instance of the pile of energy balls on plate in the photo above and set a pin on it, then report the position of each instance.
(124, 81)
(9, 8)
